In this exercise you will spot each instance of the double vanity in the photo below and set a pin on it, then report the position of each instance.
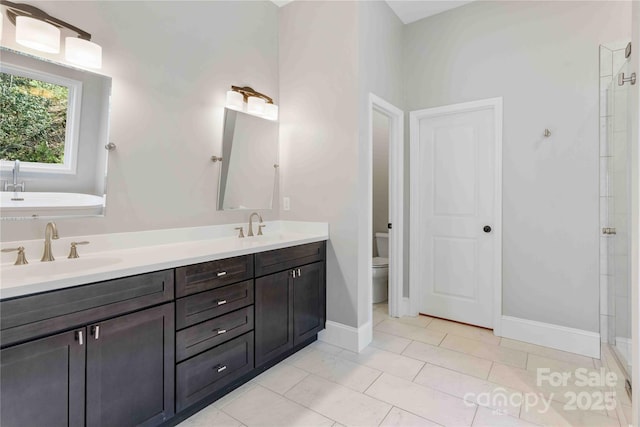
(169, 322)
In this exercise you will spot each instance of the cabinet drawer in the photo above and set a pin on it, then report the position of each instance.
(203, 336)
(42, 314)
(207, 305)
(210, 275)
(283, 259)
(208, 372)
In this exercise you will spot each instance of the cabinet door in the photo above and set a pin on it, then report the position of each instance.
(130, 369)
(273, 316)
(43, 382)
(308, 302)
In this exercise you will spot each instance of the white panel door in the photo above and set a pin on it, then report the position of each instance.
(456, 212)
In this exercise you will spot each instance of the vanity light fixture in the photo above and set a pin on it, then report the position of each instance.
(252, 102)
(37, 30)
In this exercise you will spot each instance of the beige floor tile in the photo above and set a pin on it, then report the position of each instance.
(388, 342)
(481, 349)
(338, 403)
(338, 369)
(281, 377)
(382, 306)
(419, 321)
(467, 331)
(399, 418)
(489, 418)
(431, 404)
(336, 424)
(535, 361)
(394, 327)
(557, 416)
(551, 353)
(325, 347)
(210, 416)
(446, 358)
(527, 381)
(392, 363)
(262, 407)
(378, 317)
(471, 389)
(230, 397)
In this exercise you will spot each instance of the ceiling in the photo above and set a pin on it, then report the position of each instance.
(411, 10)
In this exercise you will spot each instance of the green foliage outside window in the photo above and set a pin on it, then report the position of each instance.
(33, 118)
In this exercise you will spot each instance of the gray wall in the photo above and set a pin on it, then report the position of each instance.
(171, 64)
(380, 39)
(319, 135)
(542, 57)
(332, 54)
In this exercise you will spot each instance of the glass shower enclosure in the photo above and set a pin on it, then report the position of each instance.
(615, 205)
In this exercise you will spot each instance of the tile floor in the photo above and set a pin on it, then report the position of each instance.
(421, 371)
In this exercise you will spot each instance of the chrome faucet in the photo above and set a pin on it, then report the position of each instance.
(50, 232)
(15, 186)
(250, 233)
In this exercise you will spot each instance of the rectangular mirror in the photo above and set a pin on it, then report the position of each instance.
(249, 162)
(54, 124)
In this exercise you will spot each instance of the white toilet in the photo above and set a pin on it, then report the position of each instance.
(380, 266)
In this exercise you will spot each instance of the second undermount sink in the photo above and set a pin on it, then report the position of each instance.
(60, 266)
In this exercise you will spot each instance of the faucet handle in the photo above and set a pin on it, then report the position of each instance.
(21, 260)
(241, 233)
(73, 253)
(260, 227)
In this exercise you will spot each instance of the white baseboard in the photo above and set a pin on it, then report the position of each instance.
(578, 341)
(347, 337)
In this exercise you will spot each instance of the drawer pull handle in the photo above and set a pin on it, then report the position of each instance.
(220, 368)
(95, 331)
(221, 301)
(222, 273)
(220, 331)
(79, 337)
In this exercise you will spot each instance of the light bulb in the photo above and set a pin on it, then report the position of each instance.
(83, 52)
(37, 34)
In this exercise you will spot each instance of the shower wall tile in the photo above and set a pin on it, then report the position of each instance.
(606, 61)
(604, 217)
(622, 317)
(605, 182)
(604, 336)
(618, 61)
(604, 142)
(604, 300)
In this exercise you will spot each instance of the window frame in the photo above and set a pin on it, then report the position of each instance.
(72, 128)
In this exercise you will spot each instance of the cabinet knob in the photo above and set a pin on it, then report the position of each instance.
(220, 368)
(222, 273)
(220, 331)
(221, 301)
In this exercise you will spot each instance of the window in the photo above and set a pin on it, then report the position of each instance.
(39, 117)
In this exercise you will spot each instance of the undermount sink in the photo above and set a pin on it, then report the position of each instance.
(60, 266)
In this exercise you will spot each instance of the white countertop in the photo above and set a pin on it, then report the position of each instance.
(111, 256)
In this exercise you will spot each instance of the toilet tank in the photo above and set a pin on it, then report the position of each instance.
(382, 244)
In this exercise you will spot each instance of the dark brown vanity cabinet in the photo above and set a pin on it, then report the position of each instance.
(111, 367)
(290, 304)
(214, 322)
(42, 382)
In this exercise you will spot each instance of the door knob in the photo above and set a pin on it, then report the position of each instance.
(486, 229)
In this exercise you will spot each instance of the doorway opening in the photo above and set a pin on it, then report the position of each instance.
(385, 206)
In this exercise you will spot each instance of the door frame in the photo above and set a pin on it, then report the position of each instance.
(396, 203)
(415, 292)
